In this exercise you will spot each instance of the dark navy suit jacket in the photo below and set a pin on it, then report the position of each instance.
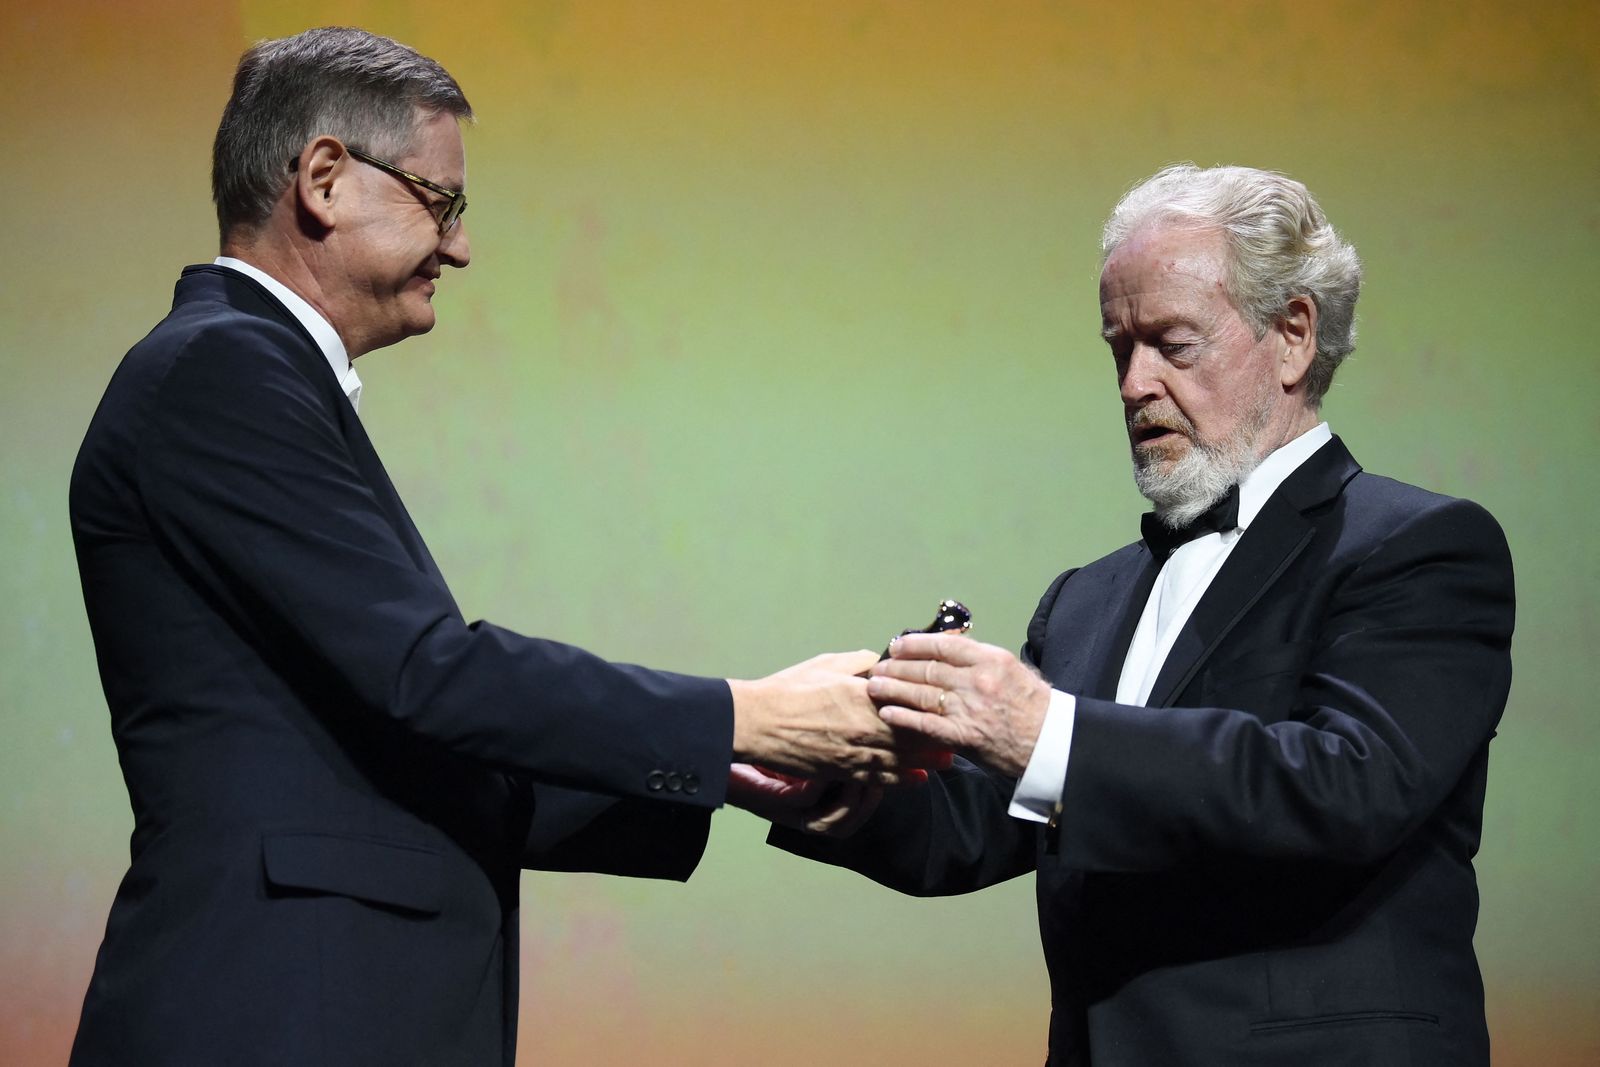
(335, 779)
(1271, 863)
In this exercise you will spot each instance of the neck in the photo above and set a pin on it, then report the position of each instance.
(290, 263)
(1295, 421)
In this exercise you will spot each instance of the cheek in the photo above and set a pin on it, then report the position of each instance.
(1229, 387)
(1215, 407)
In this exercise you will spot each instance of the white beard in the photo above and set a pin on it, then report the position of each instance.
(1180, 490)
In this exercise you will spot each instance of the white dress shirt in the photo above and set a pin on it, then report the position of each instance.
(320, 329)
(1183, 580)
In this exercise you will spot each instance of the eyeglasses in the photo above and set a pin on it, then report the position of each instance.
(455, 202)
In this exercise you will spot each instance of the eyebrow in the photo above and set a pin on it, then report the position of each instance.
(1114, 331)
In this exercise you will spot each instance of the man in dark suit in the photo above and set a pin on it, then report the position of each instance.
(1245, 755)
(335, 778)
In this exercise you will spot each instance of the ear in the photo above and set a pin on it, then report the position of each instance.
(320, 177)
(1298, 328)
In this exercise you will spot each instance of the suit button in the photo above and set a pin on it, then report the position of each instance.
(674, 782)
(691, 784)
(654, 781)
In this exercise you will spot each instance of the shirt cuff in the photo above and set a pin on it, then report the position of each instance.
(1043, 783)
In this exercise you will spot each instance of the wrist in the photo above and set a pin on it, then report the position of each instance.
(1026, 728)
(749, 705)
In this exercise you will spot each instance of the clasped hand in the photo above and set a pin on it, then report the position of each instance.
(965, 695)
(815, 720)
(934, 694)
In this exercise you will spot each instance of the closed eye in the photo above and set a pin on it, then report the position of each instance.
(1181, 353)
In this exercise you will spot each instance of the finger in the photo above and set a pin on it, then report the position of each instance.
(798, 794)
(847, 816)
(748, 782)
(755, 772)
(826, 816)
(926, 671)
(933, 727)
(951, 648)
(910, 777)
(792, 779)
(855, 662)
(906, 694)
(860, 813)
(828, 664)
(901, 774)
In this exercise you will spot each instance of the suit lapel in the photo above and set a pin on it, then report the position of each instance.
(243, 293)
(1265, 550)
(1093, 620)
(1125, 602)
(371, 468)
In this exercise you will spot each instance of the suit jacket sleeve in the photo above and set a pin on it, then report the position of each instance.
(1397, 689)
(575, 830)
(250, 487)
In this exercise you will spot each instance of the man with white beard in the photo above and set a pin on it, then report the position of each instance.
(1245, 754)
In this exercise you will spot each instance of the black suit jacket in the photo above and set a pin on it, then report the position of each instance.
(335, 779)
(1272, 862)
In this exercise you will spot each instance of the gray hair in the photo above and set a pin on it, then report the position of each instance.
(364, 89)
(1280, 246)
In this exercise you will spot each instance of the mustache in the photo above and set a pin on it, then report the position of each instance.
(1163, 419)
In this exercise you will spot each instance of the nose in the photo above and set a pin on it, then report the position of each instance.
(1140, 378)
(455, 248)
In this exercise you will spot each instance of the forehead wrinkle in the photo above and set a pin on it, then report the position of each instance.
(1169, 292)
(1154, 324)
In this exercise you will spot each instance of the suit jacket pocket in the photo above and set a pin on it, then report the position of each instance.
(1342, 1019)
(1349, 979)
(392, 873)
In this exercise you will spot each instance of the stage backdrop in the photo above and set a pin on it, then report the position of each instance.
(780, 326)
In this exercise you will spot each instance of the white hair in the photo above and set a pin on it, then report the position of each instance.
(1279, 243)
(1182, 489)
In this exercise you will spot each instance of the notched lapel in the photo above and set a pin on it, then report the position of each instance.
(1122, 594)
(1279, 533)
(1264, 552)
(371, 467)
(209, 281)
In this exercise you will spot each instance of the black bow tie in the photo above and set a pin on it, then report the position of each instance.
(1220, 517)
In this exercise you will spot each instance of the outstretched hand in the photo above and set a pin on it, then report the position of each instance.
(815, 720)
(965, 695)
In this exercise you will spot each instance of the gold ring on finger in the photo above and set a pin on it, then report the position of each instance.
(942, 694)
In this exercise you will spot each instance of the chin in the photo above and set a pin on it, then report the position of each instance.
(420, 322)
(1159, 457)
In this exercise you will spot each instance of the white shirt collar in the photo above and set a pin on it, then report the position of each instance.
(1261, 483)
(320, 329)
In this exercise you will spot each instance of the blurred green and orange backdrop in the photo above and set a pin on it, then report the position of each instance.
(780, 326)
